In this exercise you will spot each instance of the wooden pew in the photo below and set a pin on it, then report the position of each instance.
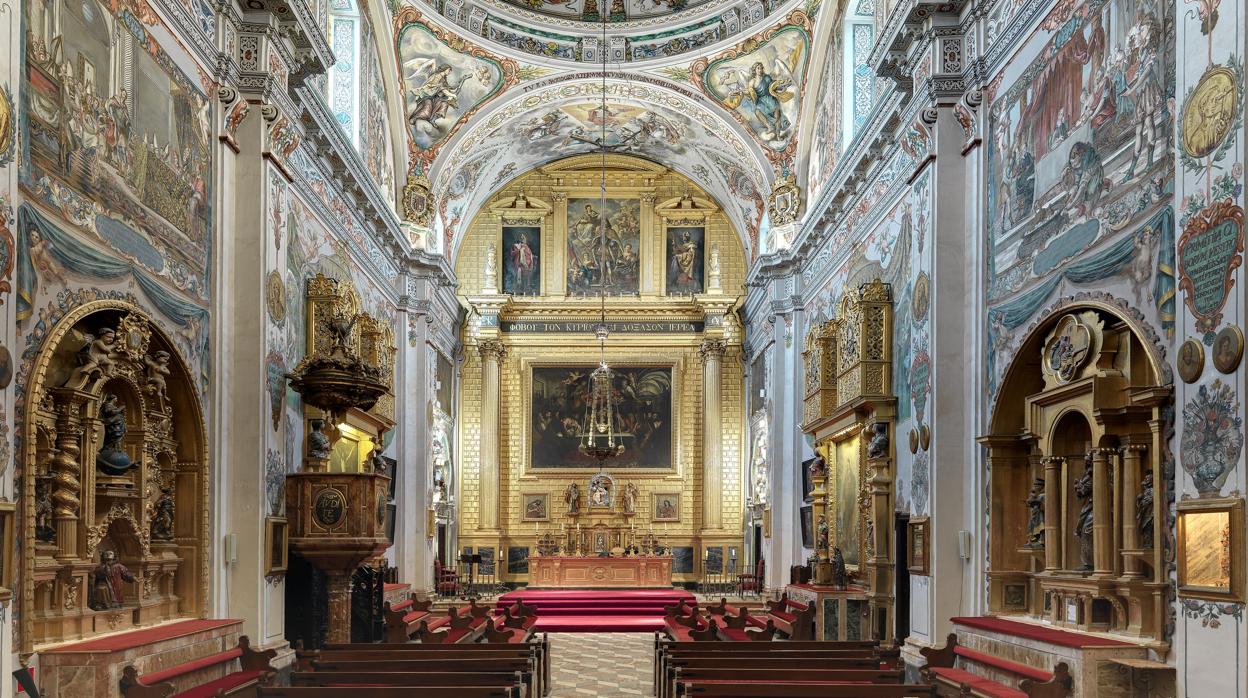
(386, 692)
(535, 656)
(761, 677)
(420, 620)
(468, 669)
(779, 664)
(1036, 683)
(779, 689)
(792, 618)
(254, 667)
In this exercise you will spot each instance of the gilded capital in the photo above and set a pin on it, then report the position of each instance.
(649, 197)
(712, 348)
(492, 349)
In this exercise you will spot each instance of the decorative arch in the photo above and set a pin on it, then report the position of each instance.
(650, 122)
(1078, 473)
(115, 458)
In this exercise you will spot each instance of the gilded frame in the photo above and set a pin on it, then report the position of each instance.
(523, 218)
(276, 546)
(862, 499)
(1233, 510)
(654, 506)
(919, 546)
(8, 538)
(527, 365)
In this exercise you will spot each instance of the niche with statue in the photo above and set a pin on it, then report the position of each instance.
(115, 488)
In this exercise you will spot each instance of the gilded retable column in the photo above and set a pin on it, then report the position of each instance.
(1132, 457)
(712, 353)
(1102, 513)
(66, 469)
(492, 353)
(1052, 512)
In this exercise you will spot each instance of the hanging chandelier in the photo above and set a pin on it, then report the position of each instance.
(601, 438)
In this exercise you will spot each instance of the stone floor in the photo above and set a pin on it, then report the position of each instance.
(601, 664)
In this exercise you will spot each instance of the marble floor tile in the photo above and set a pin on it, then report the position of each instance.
(601, 664)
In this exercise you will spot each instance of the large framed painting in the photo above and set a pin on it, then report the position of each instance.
(685, 251)
(1211, 544)
(847, 534)
(558, 400)
(604, 246)
(522, 265)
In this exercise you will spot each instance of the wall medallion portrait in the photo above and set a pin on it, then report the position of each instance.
(1228, 349)
(1191, 360)
(275, 297)
(6, 367)
(604, 246)
(685, 252)
(558, 401)
(522, 263)
(535, 506)
(666, 506)
(1209, 112)
(1213, 437)
(922, 298)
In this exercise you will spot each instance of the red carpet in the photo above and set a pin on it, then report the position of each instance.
(1053, 636)
(597, 611)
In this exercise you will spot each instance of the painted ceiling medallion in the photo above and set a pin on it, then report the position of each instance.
(1209, 113)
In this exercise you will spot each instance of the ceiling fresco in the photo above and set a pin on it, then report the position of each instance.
(567, 119)
(614, 10)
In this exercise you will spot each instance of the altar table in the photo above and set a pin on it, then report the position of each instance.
(600, 572)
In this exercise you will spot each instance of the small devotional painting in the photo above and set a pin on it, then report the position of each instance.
(644, 407)
(667, 506)
(1211, 541)
(522, 268)
(685, 252)
(604, 246)
(535, 506)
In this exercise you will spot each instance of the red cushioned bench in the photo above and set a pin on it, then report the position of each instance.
(253, 667)
(403, 616)
(792, 618)
(947, 666)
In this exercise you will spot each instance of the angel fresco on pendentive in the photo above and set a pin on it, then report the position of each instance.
(441, 84)
(762, 87)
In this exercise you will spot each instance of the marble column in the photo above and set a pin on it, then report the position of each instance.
(1102, 514)
(712, 353)
(1132, 459)
(1052, 513)
(492, 353)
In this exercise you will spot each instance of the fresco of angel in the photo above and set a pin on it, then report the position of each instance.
(762, 87)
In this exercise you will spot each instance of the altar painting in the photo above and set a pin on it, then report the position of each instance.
(845, 500)
(559, 398)
(522, 263)
(685, 251)
(612, 264)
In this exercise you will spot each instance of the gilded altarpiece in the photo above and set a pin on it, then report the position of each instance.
(1076, 454)
(849, 409)
(115, 439)
(693, 338)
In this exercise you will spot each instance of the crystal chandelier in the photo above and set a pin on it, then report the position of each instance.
(601, 438)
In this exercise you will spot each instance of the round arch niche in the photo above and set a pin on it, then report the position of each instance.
(1077, 454)
(115, 459)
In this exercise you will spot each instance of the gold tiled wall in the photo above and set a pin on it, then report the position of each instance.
(470, 259)
(678, 349)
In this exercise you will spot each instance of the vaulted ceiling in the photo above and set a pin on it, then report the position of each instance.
(494, 88)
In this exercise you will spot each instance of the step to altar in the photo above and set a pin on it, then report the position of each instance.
(92, 668)
(1092, 659)
(393, 593)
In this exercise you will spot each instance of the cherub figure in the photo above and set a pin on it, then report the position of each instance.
(95, 358)
(157, 372)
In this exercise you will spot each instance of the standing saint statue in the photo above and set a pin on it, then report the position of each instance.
(107, 591)
(572, 495)
(1035, 523)
(1144, 510)
(1083, 524)
(629, 498)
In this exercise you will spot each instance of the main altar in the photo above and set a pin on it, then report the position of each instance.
(625, 572)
